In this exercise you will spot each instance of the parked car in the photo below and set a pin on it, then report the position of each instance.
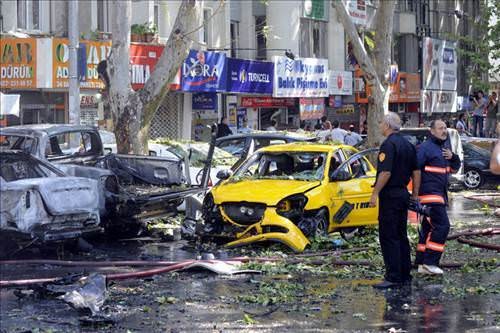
(477, 167)
(243, 145)
(133, 188)
(41, 204)
(197, 154)
(289, 193)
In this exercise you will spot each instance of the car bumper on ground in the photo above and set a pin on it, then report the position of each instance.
(272, 227)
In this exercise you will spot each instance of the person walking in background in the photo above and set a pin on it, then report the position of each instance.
(477, 115)
(352, 138)
(338, 134)
(326, 133)
(491, 115)
(272, 128)
(461, 125)
(245, 128)
(397, 163)
(302, 127)
(223, 129)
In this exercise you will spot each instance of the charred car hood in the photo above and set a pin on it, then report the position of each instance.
(267, 191)
(61, 195)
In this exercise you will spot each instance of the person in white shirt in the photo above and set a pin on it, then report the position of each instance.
(245, 128)
(272, 128)
(352, 138)
(338, 134)
(326, 133)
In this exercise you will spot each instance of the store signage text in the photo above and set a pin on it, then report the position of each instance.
(18, 63)
(247, 76)
(204, 72)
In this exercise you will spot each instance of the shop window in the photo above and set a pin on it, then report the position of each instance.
(235, 36)
(102, 16)
(28, 14)
(207, 26)
(260, 33)
(313, 38)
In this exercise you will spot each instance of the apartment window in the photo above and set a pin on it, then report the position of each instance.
(156, 8)
(260, 33)
(207, 26)
(101, 16)
(235, 36)
(28, 14)
(313, 38)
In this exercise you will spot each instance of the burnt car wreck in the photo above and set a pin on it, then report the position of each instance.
(41, 204)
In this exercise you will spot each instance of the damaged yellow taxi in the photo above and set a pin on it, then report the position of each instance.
(291, 193)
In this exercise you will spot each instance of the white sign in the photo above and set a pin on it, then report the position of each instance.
(438, 101)
(356, 10)
(9, 104)
(440, 64)
(302, 77)
(340, 83)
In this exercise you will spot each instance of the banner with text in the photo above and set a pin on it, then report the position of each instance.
(439, 64)
(143, 59)
(247, 76)
(340, 83)
(204, 101)
(438, 101)
(356, 10)
(302, 77)
(204, 71)
(312, 108)
(18, 65)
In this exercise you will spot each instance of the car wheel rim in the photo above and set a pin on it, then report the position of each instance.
(472, 178)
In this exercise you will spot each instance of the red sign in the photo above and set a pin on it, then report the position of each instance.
(266, 102)
(312, 108)
(143, 59)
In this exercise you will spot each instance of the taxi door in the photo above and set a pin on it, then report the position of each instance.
(351, 187)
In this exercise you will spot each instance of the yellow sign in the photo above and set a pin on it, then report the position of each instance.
(347, 109)
(18, 63)
(90, 54)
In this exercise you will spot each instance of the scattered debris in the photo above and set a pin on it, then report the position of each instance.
(89, 294)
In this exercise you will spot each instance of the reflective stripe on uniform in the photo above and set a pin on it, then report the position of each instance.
(434, 169)
(421, 247)
(434, 246)
(431, 198)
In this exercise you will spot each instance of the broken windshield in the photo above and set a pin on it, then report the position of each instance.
(15, 142)
(307, 166)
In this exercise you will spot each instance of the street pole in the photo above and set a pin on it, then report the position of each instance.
(74, 84)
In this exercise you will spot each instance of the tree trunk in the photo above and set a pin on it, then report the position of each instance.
(133, 111)
(376, 67)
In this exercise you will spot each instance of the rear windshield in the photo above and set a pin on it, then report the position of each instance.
(24, 143)
(14, 168)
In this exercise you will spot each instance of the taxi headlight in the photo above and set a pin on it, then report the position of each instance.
(296, 202)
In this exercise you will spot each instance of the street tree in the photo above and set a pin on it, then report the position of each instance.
(132, 111)
(375, 64)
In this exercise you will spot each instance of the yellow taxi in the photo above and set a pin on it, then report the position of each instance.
(291, 193)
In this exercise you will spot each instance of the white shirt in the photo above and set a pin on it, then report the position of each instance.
(338, 134)
(324, 135)
(244, 130)
(271, 128)
(352, 138)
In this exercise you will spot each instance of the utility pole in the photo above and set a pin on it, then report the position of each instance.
(74, 84)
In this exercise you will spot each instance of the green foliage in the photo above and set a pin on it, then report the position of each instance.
(137, 29)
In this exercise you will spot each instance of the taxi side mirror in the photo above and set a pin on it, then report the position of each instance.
(224, 174)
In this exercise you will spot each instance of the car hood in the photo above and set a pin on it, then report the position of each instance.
(268, 191)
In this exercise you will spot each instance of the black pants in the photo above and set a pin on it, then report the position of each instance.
(432, 236)
(392, 217)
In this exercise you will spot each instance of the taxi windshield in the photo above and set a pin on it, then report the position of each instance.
(305, 166)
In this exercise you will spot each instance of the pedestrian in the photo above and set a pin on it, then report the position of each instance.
(245, 128)
(302, 127)
(338, 134)
(223, 129)
(352, 138)
(436, 161)
(491, 115)
(365, 128)
(272, 128)
(323, 121)
(326, 133)
(397, 163)
(477, 114)
(461, 125)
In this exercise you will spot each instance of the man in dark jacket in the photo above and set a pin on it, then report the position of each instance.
(436, 162)
(223, 129)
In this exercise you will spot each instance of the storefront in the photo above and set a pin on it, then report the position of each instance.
(260, 111)
(340, 104)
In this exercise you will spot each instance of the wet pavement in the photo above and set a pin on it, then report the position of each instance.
(298, 297)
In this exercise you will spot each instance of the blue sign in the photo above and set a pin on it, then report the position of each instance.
(204, 71)
(247, 76)
(204, 101)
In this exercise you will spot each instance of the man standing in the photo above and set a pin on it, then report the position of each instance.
(272, 128)
(479, 105)
(223, 129)
(338, 134)
(352, 138)
(245, 128)
(491, 116)
(397, 163)
(436, 161)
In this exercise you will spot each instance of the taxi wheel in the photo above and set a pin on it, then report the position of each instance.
(322, 226)
(349, 233)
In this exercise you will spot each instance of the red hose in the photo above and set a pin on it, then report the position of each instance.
(486, 246)
(86, 263)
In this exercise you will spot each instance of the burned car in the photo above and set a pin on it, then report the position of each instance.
(40, 203)
(133, 189)
(290, 193)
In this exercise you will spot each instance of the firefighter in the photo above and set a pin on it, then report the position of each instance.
(436, 161)
(397, 163)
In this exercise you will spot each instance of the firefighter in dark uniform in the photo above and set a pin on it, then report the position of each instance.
(397, 163)
(436, 162)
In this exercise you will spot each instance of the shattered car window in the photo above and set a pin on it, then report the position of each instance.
(14, 168)
(13, 142)
(307, 166)
(72, 143)
(234, 147)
